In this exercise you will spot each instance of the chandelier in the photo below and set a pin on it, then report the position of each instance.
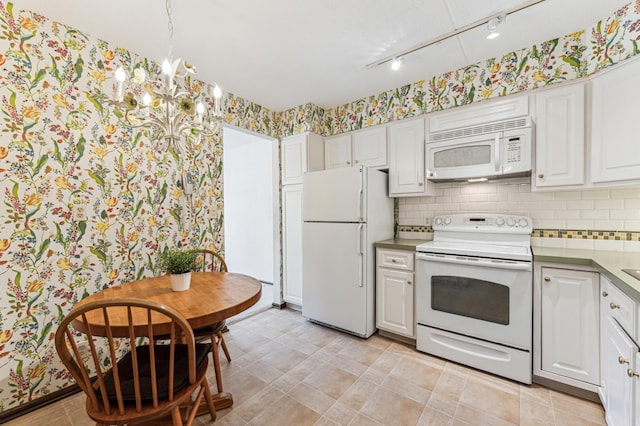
(169, 109)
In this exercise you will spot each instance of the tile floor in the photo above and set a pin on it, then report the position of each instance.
(288, 371)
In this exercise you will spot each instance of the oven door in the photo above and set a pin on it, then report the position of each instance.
(489, 299)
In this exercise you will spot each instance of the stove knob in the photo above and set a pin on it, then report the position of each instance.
(447, 220)
(511, 221)
(438, 221)
(523, 223)
(500, 221)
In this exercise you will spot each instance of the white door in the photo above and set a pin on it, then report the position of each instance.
(292, 243)
(335, 195)
(406, 157)
(560, 137)
(569, 324)
(334, 285)
(337, 152)
(294, 159)
(394, 299)
(614, 138)
(370, 147)
(619, 353)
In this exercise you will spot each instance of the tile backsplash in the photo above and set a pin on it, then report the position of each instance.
(600, 219)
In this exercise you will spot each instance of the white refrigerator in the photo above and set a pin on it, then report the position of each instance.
(344, 212)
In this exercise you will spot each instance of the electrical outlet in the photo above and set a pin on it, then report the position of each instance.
(79, 212)
(427, 221)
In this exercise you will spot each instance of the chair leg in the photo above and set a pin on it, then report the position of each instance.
(216, 363)
(196, 404)
(209, 399)
(175, 417)
(224, 346)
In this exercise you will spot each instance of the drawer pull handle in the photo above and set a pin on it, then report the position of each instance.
(547, 279)
(632, 373)
(393, 261)
(605, 294)
(621, 360)
(614, 305)
(541, 176)
(409, 282)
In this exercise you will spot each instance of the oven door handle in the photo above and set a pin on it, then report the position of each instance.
(483, 263)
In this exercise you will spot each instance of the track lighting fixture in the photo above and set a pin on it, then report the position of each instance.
(491, 22)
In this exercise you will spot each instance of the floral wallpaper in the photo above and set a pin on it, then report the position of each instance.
(570, 57)
(61, 144)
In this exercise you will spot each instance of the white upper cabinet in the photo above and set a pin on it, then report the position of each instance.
(301, 153)
(560, 137)
(615, 152)
(370, 147)
(364, 147)
(337, 151)
(406, 159)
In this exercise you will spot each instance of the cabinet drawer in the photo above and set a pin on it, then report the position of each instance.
(395, 259)
(622, 308)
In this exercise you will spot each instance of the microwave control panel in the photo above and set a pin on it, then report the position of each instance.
(514, 147)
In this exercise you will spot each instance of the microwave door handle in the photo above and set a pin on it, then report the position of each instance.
(497, 152)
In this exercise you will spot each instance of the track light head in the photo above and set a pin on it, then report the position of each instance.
(492, 26)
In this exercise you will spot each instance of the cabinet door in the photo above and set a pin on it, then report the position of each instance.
(337, 152)
(636, 390)
(560, 136)
(620, 353)
(292, 243)
(406, 159)
(394, 300)
(569, 324)
(370, 147)
(614, 138)
(294, 159)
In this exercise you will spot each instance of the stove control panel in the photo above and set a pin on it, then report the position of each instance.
(483, 222)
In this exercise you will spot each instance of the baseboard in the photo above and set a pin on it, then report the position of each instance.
(279, 305)
(402, 339)
(16, 412)
(568, 389)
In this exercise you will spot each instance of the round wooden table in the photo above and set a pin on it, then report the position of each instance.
(212, 297)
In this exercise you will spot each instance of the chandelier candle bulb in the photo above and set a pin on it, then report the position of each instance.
(120, 77)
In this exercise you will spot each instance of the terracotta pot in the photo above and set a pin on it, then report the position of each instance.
(180, 282)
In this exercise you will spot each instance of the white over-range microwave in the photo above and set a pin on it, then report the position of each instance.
(485, 151)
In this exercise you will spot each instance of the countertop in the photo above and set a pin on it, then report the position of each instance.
(400, 244)
(610, 263)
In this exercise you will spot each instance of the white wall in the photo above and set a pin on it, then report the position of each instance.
(248, 204)
(615, 209)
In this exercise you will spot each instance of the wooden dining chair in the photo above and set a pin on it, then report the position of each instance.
(211, 261)
(105, 346)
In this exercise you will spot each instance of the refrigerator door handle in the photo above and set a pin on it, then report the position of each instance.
(360, 255)
(361, 193)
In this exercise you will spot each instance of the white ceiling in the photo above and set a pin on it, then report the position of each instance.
(284, 53)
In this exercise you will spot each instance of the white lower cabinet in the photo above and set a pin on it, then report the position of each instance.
(292, 244)
(620, 385)
(394, 292)
(620, 356)
(566, 326)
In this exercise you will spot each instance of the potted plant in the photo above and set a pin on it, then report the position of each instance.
(179, 263)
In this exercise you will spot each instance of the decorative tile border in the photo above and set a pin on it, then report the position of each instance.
(575, 234)
(586, 234)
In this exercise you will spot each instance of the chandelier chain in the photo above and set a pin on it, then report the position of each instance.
(170, 26)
